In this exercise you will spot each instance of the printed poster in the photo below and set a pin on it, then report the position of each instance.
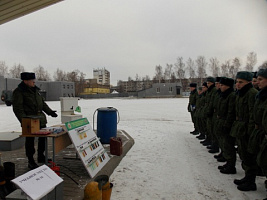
(87, 145)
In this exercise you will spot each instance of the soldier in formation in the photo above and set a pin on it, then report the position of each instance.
(231, 119)
(192, 105)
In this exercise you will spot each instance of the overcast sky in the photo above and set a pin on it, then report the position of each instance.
(130, 37)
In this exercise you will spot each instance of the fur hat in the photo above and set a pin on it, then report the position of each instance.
(227, 81)
(244, 75)
(27, 76)
(210, 79)
(254, 74)
(217, 79)
(262, 72)
(205, 84)
(193, 85)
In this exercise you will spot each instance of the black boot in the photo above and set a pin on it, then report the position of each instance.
(208, 142)
(210, 147)
(222, 166)
(240, 181)
(218, 156)
(32, 164)
(203, 141)
(247, 186)
(195, 133)
(229, 169)
(201, 136)
(214, 150)
(221, 159)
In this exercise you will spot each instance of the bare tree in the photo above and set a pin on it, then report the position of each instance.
(191, 68)
(77, 77)
(73, 76)
(137, 78)
(168, 72)
(158, 73)
(180, 68)
(41, 74)
(80, 83)
(3, 68)
(173, 77)
(146, 78)
(263, 66)
(235, 67)
(251, 61)
(225, 67)
(16, 70)
(214, 67)
(60, 75)
(201, 67)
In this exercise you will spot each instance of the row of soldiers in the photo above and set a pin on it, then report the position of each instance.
(230, 117)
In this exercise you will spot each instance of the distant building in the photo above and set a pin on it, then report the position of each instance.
(161, 90)
(102, 76)
(133, 86)
(92, 87)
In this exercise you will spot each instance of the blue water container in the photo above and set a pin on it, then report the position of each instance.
(106, 124)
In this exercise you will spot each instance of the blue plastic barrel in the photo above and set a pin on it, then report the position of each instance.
(106, 124)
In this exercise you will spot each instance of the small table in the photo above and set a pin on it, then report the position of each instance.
(59, 141)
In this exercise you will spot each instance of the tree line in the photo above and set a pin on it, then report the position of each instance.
(198, 68)
(41, 74)
(171, 73)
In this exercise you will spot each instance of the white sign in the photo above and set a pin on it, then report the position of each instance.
(87, 145)
(38, 182)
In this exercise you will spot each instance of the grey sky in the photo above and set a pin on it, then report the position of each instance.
(132, 37)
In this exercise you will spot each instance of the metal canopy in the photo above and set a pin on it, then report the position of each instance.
(13, 9)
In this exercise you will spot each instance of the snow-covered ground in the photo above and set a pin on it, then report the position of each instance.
(166, 162)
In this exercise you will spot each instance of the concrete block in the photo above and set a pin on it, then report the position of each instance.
(10, 141)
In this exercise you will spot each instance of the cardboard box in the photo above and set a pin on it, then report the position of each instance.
(30, 125)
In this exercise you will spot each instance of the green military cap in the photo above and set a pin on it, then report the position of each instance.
(262, 72)
(244, 75)
(210, 79)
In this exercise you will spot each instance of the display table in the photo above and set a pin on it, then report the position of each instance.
(59, 141)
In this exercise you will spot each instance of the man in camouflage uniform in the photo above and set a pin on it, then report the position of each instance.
(260, 131)
(27, 101)
(201, 120)
(243, 127)
(225, 117)
(208, 109)
(192, 105)
(214, 147)
(255, 81)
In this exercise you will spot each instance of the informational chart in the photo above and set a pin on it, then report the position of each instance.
(87, 145)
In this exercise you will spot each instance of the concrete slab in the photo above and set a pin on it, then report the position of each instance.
(10, 141)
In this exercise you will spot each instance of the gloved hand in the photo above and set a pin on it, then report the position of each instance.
(53, 114)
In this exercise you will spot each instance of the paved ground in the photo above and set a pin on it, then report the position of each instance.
(71, 166)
